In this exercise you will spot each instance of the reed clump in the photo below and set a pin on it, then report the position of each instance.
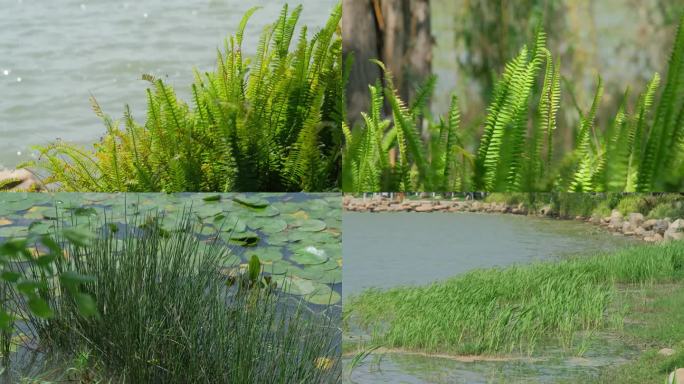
(164, 314)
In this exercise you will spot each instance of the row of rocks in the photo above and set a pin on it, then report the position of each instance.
(634, 224)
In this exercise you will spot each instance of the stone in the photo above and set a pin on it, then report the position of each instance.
(615, 220)
(635, 219)
(649, 224)
(675, 230)
(661, 226)
(676, 377)
(546, 211)
(639, 231)
(627, 227)
(655, 238)
(666, 352)
(423, 208)
(677, 226)
(19, 180)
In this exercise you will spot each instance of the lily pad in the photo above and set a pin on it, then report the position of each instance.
(268, 225)
(309, 255)
(323, 296)
(251, 201)
(312, 225)
(268, 253)
(245, 239)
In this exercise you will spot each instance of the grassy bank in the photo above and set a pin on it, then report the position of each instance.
(516, 309)
(655, 321)
(162, 313)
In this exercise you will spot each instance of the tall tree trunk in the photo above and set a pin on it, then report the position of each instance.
(397, 32)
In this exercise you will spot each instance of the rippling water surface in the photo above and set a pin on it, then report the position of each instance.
(55, 54)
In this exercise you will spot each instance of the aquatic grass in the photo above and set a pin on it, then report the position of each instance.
(165, 314)
(514, 309)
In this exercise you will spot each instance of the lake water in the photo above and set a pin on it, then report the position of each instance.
(394, 249)
(389, 249)
(55, 54)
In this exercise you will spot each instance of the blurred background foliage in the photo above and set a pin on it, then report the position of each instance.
(624, 41)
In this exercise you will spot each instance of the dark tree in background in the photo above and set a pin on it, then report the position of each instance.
(396, 32)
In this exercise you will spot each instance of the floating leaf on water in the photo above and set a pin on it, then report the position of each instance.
(212, 198)
(232, 223)
(267, 225)
(265, 212)
(311, 225)
(280, 267)
(4, 221)
(207, 230)
(278, 239)
(13, 232)
(208, 210)
(309, 255)
(299, 215)
(295, 285)
(269, 253)
(323, 295)
(231, 261)
(321, 274)
(251, 201)
(246, 239)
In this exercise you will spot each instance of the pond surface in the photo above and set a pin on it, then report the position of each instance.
(394, 249)
(55, 54)
(390, 249)
(296, 236)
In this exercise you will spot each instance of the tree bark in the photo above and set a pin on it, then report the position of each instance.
(397, 32)
(360, 40)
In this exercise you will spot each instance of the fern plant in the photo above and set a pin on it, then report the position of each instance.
(643, 150)
(271, 122)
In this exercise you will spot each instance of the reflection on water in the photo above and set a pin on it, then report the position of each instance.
(54, 54)
(392, 249)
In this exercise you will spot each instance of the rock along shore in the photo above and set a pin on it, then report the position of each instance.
(633, 224)
(18, 180)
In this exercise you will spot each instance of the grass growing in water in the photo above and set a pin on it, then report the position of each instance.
(165, 314)
(513, 309)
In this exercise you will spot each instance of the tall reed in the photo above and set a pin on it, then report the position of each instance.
(164, 314)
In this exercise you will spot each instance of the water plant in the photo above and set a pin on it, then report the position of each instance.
(271, 122)
(513, 309)
(641, 151)
(163, 312)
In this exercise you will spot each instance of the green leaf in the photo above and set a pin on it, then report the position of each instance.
(85, 304)
(39, 307)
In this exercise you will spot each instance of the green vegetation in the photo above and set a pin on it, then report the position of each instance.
(658, 322)
(267, 123)
(640, 151)
(566, 204)
(296, 237)
(514, 309)
(162, 312)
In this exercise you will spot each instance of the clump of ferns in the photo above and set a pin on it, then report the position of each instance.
(642, 151)
(269, 122)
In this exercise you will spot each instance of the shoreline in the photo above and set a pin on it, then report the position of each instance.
(633, 225)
